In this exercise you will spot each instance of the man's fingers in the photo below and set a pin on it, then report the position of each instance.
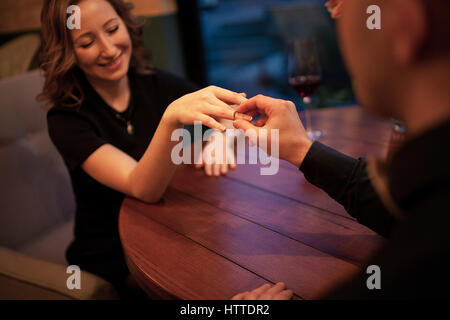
(274, 290)
(244, 116)
(252, 113)
(262, 289)
(239, 296)
(284, 295)
(260, 103)
(251, 296)
(261, 121)
(266, 292)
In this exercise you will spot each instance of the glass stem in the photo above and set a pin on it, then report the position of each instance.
(307, 103)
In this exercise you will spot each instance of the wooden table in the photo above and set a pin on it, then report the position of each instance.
(212, 238)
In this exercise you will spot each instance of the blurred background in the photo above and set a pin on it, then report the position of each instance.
(246, 43)
(236, 44)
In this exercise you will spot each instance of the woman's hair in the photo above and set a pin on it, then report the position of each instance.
(57, 56)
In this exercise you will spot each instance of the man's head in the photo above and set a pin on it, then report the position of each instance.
(414, 38)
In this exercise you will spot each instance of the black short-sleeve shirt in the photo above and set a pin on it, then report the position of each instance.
(78, 131)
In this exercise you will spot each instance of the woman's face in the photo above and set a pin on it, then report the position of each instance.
(102, 45)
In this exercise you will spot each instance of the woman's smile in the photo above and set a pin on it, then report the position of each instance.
(113, 64)
(103, 46)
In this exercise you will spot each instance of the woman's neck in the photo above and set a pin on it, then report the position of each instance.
(115, 93)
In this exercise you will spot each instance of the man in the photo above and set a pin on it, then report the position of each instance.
(401, 71)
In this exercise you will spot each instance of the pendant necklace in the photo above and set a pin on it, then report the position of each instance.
(125, 117)
(127, 122)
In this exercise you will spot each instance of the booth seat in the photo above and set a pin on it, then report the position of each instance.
(36, 202)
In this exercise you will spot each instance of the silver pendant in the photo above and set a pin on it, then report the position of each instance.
(130, 128)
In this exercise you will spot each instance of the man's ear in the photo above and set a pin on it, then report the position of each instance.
(409, 29)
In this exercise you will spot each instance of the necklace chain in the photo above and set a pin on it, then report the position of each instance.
(127, 122)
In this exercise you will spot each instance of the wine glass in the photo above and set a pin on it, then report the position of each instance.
(305, 76)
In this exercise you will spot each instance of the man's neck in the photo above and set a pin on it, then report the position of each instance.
(427, 102)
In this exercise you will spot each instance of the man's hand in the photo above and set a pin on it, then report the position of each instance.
(266, 292)
(278, 114)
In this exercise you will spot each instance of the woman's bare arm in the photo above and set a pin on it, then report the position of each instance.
(148, 178)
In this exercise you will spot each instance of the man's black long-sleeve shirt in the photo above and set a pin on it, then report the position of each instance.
(414, 213)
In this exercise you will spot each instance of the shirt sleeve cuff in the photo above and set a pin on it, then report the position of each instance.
(327, 168)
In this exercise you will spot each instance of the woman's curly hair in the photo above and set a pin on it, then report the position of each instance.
(57, 56)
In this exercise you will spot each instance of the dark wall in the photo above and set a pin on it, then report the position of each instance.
(192, 41)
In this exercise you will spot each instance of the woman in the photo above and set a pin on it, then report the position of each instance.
(111, 119)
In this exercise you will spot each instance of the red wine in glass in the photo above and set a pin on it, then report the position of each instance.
(304, 76)
(305, 86)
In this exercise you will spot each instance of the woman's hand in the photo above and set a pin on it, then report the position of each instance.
(205, 105)
(217, 155)
(266, 292)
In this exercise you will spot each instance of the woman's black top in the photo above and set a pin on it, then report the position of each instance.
(77, 132)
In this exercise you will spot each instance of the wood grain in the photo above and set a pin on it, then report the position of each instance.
(212, 238)
(331, 233)
(271, 255)
(179, 266)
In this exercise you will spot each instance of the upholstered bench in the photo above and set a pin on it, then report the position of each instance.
(36, 202)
